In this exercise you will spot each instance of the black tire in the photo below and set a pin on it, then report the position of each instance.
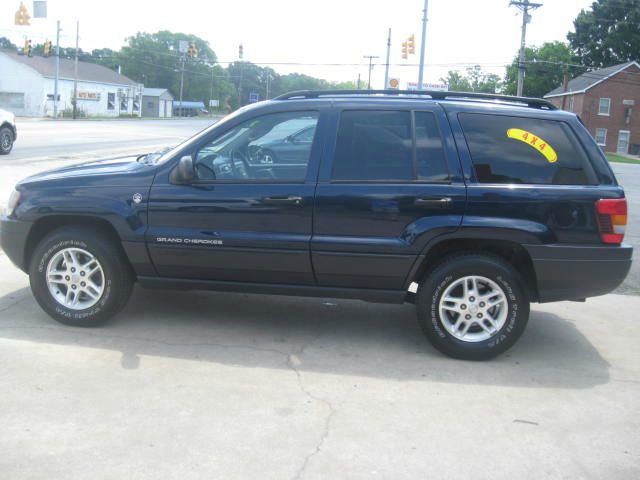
(118, 279)
(454, 268)
(6, 140)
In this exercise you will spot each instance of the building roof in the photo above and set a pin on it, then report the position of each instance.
(155, 92)
(87, 72)
(590, 79)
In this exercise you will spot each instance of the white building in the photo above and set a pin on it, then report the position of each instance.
(157, 102)
(27, 86)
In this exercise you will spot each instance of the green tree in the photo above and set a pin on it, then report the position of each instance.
(6, 43)
(607, 34)
(544, 69)
(474, 80)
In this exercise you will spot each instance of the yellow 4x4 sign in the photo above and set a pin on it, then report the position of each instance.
(535, 142)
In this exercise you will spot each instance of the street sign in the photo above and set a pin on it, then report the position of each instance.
(39, 9)
(183, 46)
(214, 103)
(394, 83)
(254, 97)
(436, 87)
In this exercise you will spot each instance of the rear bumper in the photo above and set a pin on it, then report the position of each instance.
(573, 272)
(13, 239)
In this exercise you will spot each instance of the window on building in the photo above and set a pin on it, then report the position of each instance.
(604, 106)
(431, 164)
(123, 103)
(11, 100)
(508, 149)
(111, 101)
(601, 136)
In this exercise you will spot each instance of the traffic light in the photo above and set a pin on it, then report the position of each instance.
(192, 52)
(405, 51)
(22, 16)
(26, 50)
(411, 44)
(240, 51)
(47, 48)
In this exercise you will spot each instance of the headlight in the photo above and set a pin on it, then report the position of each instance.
(14, 199)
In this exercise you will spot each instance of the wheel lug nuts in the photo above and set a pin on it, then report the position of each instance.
(479, 315)
(463, 307)
(73, 287)
(82, 274)
(67, 278)
(73, 270)
(467, 317)
(482, 304)
(82, 284)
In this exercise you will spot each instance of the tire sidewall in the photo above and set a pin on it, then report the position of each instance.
(3, 132)
(436, 284)
(93, 315)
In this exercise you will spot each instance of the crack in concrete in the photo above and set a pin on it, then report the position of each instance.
(327, 423)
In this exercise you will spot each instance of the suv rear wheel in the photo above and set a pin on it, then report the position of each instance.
(79, 278)
(6, 140)
(473, 306)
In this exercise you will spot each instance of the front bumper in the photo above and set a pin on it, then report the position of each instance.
(575, 272)
(13, 240)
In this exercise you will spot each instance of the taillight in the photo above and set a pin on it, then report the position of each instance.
(612, 219)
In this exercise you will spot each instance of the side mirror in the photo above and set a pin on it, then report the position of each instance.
(184, 172)
(291, 139)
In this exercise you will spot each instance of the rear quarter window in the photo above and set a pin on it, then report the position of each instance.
(507, 149)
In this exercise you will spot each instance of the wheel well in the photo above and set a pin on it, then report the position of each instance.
(45, 225)
(513, 253)
(7, 124)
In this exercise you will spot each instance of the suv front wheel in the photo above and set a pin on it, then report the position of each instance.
(473, 306)
(79, 277)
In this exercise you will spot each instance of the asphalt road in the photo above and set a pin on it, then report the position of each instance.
(47, 140)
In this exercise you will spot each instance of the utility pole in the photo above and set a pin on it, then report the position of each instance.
(181, 83)
(386, 71)
(55, 82)
(370, 57)
(422, 46)
(524, 6)
(75, 73)
(565, 84)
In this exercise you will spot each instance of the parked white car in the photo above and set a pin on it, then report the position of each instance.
(8, 131)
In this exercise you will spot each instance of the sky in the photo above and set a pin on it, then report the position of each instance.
(460, 33)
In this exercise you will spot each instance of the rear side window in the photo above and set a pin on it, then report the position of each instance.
(524, 150)
(379, 146)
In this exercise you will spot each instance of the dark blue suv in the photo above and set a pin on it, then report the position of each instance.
(472, 206)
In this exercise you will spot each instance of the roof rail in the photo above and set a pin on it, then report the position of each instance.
(436, 95)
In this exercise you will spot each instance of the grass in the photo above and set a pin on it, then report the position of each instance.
(620, 159)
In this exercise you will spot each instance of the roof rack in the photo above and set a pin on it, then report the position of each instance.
(436, 95)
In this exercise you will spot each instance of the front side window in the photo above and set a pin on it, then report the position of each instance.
(604, 106)
(508, 149)
(379, 146)
(601, 136)
(274, 147)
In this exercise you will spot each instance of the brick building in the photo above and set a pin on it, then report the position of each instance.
(608, 102)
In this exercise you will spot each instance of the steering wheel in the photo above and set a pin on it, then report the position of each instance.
(239, 172)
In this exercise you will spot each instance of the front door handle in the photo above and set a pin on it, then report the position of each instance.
(282, 200)
(444, 202)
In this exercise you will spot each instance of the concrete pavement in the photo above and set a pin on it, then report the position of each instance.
(207, 385)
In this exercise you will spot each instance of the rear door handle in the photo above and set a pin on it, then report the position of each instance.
(444, 202)
(282, 200)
